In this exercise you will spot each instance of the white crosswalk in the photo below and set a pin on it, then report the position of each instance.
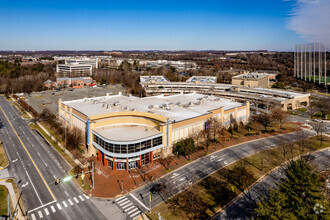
(40, 213)
(128, 207)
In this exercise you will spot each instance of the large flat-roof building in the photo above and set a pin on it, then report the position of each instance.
(251, 80)
(126, 132)
(260, 97)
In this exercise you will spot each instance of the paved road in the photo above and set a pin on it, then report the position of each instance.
(182, 178)
(35, 166)
(243, 207)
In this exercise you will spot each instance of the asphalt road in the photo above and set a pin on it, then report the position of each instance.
(243, 207)
(35, 165)
(182, 178)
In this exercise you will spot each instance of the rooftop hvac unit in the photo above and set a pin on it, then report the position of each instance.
(199, 98)
(167, 108)
(150, 106)
(217, 99)
(197, 103)
(132, 109)
(178, 103)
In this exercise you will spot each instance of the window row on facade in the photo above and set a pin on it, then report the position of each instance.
(128, 148)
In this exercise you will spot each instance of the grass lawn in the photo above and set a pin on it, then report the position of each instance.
(3, 157)
(258, 165)
(3, 200)
(301, 109)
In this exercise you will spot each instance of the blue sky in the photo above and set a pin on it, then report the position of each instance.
(140, 25)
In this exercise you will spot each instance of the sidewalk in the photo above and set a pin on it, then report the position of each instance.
(135, 178)
(13, 197)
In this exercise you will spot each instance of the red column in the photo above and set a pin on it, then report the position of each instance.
(106, 162)
(99, 156)
(151, 157)
(140, 162)
(127, 164)
(114, 165)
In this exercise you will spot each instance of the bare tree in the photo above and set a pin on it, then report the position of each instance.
(74, 138)
(279, 115)
(166, 162)
(319, 127)
(263, 119)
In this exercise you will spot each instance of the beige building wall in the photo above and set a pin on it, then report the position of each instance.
(252, 82)
(177, 130)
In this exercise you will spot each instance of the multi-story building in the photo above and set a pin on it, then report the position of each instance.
(126, 132)
(74, 68)
(259, 97)
(251, 80)
(84, 61)
(179, 65)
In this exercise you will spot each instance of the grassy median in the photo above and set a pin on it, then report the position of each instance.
(205, 198)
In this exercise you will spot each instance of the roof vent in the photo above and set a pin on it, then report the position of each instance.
(150, 106)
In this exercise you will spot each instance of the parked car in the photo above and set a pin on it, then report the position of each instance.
(156, 188)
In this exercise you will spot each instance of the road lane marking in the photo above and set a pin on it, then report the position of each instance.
(59, 206)
(124, 203)
(225, 162)
(120, 198)
(139, 202)
(54, 177)
(129, 208)
(66, 194)
(125, 206)
(24, 185)
(71, 203)
(32, 210)
(75, 199)
(46, 165)
(220, 159)
(82, 199)
(135, 213)
(40, 214)
(33, 217)
(86, 196)
(133, 210)
(65, 205)
(29, 179)
(43, 179)
(53, 209)
(46, 210)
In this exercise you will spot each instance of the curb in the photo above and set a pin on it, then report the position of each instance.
(260, 180)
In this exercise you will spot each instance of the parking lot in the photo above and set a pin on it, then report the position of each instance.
(49, 99)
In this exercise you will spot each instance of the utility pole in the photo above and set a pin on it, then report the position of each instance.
(325, 66)
(305, 62)
(150, 203)
(319, 64)
(93, 173)
(314, 60)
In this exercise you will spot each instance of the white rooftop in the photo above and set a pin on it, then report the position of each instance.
(153, 79)
(253, 75)
(175, 107)
(126, 132)
(204, 79)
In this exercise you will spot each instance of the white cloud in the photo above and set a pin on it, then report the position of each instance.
(311, 20)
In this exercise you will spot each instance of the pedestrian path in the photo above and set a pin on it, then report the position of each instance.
(56, 206)
(127, 206)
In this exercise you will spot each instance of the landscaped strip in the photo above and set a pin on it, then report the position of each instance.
(209, 195)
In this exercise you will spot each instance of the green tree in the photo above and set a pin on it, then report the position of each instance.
(184, 147)
(299, 192)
